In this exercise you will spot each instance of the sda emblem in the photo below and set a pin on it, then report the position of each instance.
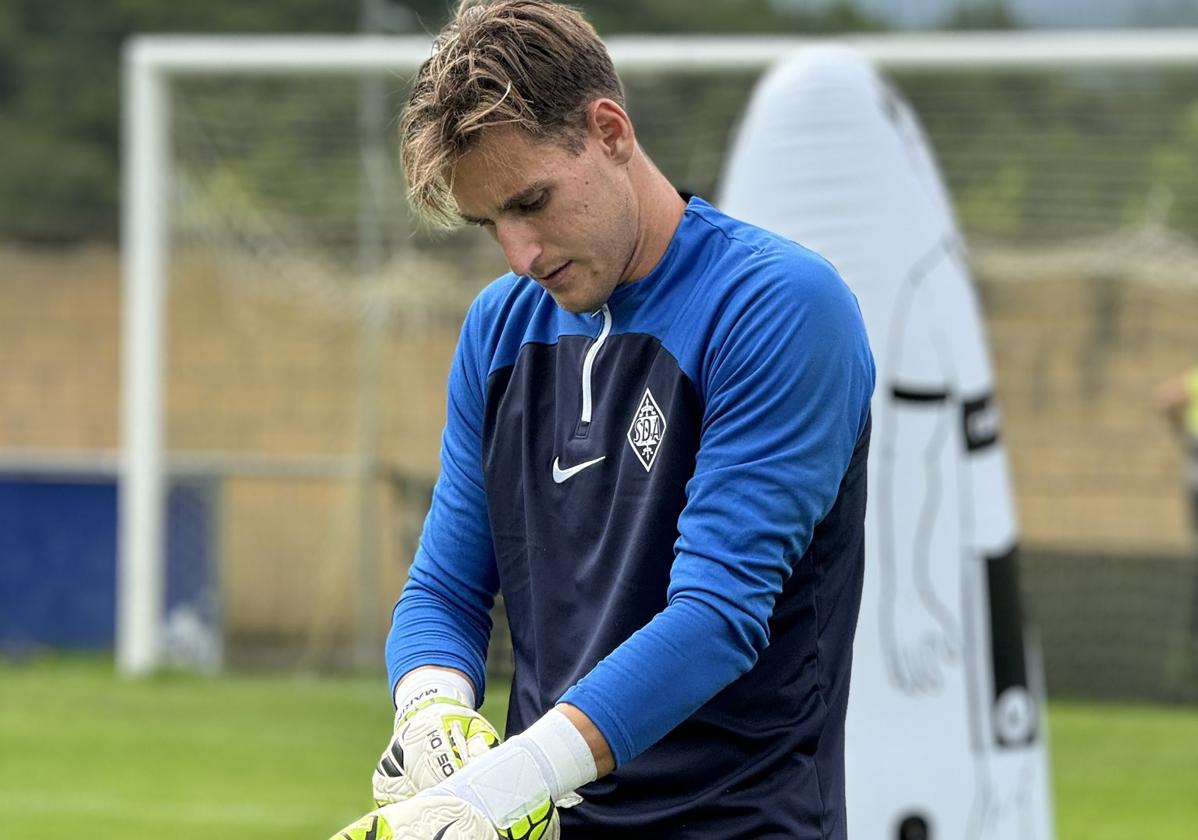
(647, 429)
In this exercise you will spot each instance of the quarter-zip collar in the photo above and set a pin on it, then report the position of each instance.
(588, 363)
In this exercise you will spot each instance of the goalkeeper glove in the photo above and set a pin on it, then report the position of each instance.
(433, 739)
(422, 818)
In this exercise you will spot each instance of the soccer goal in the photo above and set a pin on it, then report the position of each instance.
(288, 325)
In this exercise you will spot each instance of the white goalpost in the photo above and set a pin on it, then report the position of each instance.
(182, 228)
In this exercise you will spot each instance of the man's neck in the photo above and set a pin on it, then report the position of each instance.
(660, 210)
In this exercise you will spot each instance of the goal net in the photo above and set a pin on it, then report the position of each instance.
(289, 325)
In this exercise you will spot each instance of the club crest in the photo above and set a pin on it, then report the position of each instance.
(647, 429)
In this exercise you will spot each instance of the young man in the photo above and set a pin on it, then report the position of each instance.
(655, 447)
(1178, 400)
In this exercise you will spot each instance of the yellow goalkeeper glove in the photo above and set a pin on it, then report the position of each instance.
(431, 741)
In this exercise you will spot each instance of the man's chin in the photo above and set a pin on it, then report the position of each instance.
(577, 304)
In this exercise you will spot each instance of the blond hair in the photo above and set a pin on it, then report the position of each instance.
(531, 64)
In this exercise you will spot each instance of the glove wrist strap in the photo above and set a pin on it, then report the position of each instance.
(426, 683)
(541, 765)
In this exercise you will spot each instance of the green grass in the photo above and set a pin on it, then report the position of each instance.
(84, 754)
(1123, 772)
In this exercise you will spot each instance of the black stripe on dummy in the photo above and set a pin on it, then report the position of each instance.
(915, 395)
(980, 419)
(1014, 712)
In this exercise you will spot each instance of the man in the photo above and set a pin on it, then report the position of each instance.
(655, 446)
(1178, 400)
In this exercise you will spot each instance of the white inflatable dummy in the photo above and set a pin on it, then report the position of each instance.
(946, 737)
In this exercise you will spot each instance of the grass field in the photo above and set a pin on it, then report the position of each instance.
(85, 755)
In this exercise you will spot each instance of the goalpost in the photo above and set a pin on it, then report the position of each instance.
(352, 272)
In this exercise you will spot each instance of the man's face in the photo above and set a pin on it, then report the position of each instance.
(566, 220)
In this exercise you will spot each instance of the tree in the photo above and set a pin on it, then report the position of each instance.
(992, 15)
(60, 98)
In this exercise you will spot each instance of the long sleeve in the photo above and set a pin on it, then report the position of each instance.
(443, 614)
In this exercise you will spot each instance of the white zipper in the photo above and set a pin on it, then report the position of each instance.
(589, 362)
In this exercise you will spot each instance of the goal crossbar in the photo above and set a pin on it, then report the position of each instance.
(353, 54)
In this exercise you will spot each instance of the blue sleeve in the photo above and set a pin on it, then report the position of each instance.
(787, 383)
(443, 616)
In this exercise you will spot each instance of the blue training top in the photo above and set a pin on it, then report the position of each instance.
(670, 493)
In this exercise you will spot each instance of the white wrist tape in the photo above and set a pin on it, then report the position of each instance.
(560, 752)
(426, 683)
(549, 760)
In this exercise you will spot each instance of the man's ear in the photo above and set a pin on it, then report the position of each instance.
(609, 124)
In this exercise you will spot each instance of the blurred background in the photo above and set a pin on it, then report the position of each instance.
(309, 323)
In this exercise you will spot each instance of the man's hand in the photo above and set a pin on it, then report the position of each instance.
(422, 818)
(433, 739)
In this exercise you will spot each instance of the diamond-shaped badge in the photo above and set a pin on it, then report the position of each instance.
(647, 429)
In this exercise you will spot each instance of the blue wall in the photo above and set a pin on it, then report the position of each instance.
(57, 564)
(58, 555)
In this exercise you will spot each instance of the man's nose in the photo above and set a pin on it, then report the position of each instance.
(521, 245)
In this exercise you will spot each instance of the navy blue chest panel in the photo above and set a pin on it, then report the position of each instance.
(584, 552)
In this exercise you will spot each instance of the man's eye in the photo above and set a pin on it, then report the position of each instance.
(534, 205)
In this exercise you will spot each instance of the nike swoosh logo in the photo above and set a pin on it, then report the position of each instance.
(560, 475)
(441, 833)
